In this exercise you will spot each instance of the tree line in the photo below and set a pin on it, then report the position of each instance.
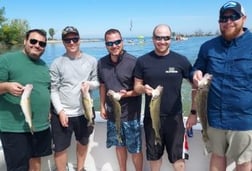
(12, 32)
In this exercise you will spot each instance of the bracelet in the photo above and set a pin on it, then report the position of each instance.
(193, 112)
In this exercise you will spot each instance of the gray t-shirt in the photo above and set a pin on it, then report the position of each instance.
(67, 75)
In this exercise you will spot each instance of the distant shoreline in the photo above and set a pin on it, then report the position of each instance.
(82, 40)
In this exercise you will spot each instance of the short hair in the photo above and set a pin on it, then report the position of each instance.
(161, 25)
(39, 31)
(111, 31)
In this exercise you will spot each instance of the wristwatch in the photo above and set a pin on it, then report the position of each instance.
(193, 112)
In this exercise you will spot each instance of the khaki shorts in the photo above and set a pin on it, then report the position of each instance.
(235, 145)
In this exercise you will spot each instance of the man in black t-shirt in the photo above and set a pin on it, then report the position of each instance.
(163, 67)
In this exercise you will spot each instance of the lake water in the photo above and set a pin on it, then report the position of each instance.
(136, 47)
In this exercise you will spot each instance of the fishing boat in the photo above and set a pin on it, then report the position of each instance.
(180, 37)
(100, 158)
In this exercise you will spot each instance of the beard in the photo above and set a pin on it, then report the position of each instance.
(229, 33)
(162, 50)
(33, 53)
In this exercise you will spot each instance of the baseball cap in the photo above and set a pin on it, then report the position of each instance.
(232, 5)
(69, 29)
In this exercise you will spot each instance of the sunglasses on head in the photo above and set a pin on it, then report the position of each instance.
(224, 19)
(35, 41)
(68, 40)
(165, 38)
(117, 42)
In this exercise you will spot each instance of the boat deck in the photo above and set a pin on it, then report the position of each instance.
(102, 159)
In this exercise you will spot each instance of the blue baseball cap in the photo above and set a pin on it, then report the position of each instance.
(232, 5)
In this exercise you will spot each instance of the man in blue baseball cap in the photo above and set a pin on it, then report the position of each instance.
(229, 111)
(232, 5)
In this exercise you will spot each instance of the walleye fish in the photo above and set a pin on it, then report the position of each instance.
(155, 112)
(201, 102)
(26, 105)
(87, 102)
(115, 98)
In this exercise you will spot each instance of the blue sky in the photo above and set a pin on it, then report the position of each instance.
(94, 17)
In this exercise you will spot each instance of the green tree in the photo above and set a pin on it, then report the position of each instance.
(51, 33)
(13, 33)
(2, 18)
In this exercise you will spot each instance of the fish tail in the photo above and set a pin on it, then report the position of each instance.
(91, 122)
(204, 136)
(29, 123)
(158, 141)
(118, 131)
(119, 138)
(207, 148)
(94, 115)
(32, 130)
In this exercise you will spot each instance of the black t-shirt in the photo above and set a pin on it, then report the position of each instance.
(167, 71)
(117, 77)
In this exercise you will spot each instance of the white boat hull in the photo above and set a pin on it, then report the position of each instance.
(102, 159)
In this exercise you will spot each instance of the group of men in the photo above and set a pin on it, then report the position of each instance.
(56, 98)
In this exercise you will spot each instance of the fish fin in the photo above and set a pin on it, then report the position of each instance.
(158, 141)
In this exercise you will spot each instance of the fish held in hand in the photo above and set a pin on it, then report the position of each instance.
(201, 102)
(26, 105)
(155, 112)
(87, 102)
(115, 98)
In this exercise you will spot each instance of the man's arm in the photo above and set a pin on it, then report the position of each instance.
(138, 86)
(55, 84)
(13, 88)
(192, 117)
(102, 92)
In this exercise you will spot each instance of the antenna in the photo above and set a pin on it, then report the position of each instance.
(131, 24)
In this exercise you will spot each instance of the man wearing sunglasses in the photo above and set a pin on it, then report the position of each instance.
(115, 72)
(166, 68)
(18, 69)
(228, 58)
(68, 73)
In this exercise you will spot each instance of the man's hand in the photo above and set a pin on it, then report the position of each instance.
(191, 120)
(15, 88)
(63, 118)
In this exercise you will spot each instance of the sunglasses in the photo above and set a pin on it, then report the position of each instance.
(35, 41)
(117, 42)
(224, 19)
(68, 40)
(165, 38)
